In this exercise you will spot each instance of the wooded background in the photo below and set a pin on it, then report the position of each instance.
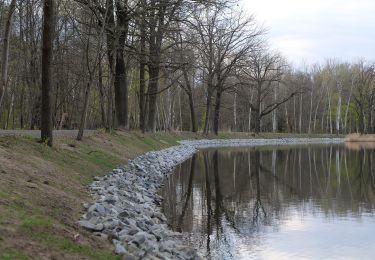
(160, 65)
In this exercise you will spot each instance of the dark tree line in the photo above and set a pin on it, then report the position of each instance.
(159, 65)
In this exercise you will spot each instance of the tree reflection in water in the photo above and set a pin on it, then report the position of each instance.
(230, 198)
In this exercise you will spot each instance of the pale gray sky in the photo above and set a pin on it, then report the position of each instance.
(312, 30)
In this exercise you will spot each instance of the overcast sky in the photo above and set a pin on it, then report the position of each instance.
(312, 30)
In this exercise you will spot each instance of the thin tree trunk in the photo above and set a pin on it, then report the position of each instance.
(109, 124)
(10, 110)
(300, 113)
(338, 113)
(235, 112)
(250, 109)
(330, 114)
(294, 114)
(316, 110)
(192, 112)
(311, 110)
(101, 93)
(258, 111)
(22, 104)
(5, 52)
(347, 106)
(142, 79)
(217, 111)
(180, 108)
(274, 113)
(287, 119)
(82, 124)
(208, 110)
(152, 97)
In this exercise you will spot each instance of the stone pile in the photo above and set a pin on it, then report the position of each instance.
(127, 207)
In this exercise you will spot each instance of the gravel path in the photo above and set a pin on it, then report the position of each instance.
(127, 207)
(36, 133)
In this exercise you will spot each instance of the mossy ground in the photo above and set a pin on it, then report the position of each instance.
(42, 189)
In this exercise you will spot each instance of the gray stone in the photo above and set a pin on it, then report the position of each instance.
(139, 238)
(132, 232)
(120, 250)
(90, 226)
(128, 256)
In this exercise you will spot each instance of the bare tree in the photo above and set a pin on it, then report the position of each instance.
(264, 72)
(364, 94)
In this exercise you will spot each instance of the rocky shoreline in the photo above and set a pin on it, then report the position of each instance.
(127, 207)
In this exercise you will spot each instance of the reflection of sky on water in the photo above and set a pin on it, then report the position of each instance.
(315, 203)
(313, 237)
(306, 237)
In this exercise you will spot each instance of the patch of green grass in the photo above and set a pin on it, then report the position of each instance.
(68, 245)
(39, 228)
(32, 224)
(12, 254)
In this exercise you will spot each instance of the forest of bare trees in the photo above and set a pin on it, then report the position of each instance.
(159, 65)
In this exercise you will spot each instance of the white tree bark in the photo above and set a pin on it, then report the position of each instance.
(235, 112)
(339, 102)
(250, 110)
(347, 106)
(274, 113)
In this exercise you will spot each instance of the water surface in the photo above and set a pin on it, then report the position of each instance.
(305, 202)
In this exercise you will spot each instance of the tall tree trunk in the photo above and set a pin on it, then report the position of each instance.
(142, 71)
(294, 114)
(338, 113)
(142, 88)
(208, 111)
(316, 110)
(10, 110)
(192, 112)
(311, 110)
(156, 27)
(217, 110)
(82, 124)
(101, 93)
(288, 125)
(250, 109)
(22, 105)
(189, 92)
(109, 125)
(257, 120)
(180, 110)
(274, 113)
(369, 116)
(330, 113)
(258, 110)
(121, 91)
(347, 107)
(48, 35)
(300, 113)
(152, 96)
(235, 112)
(121, 83)
(5, 52)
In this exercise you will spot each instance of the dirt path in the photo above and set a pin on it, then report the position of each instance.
(36, 133)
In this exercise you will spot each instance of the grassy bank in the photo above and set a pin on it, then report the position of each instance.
(42, 190)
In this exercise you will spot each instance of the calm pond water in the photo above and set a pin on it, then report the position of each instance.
(305, 202)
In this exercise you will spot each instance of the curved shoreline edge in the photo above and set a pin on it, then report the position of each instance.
(126, 207)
